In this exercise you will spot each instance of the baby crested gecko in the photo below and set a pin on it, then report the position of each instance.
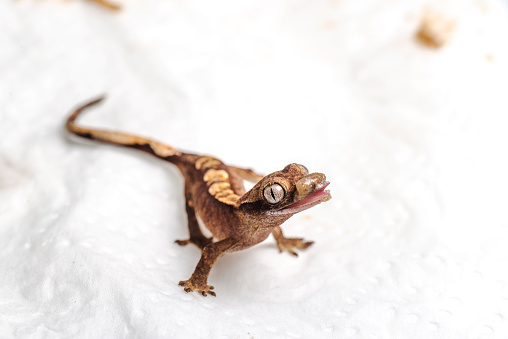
(214, 191)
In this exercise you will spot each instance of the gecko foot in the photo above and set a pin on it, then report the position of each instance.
(199, 242)
(290, 244)
(203, 289)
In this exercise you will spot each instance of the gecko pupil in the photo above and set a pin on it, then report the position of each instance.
(273, 195)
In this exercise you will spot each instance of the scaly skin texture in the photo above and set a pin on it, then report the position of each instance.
(237, 219)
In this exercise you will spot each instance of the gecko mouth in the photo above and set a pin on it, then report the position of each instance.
(318, 196)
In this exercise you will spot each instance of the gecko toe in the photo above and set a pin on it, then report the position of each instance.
(306, 244)
(201, 288)
(182, 242)
(200, 242)
(292, 244)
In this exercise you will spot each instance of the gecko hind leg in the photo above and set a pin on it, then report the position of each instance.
(289, 244)
(247, 174)
(196, 236)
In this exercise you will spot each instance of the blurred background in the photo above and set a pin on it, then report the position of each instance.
(402, 104)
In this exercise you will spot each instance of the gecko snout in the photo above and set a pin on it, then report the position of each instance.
(310, 184)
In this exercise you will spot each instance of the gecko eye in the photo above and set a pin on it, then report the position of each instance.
(273, 193)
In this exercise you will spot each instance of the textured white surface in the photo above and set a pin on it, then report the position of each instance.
(413, 244)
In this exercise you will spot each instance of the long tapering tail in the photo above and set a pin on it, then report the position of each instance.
(150, 146)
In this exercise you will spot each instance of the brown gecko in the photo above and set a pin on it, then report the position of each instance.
(214, 191)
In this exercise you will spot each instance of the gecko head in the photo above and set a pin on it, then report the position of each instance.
(284, 193)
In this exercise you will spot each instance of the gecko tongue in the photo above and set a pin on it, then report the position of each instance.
(317, 197)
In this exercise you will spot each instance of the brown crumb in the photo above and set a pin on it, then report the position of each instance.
(435, 30)
(489, 57)
(107, 4)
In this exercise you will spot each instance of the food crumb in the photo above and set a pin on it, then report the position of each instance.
(435, 30)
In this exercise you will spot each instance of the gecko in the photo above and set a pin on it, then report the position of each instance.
(215, 192)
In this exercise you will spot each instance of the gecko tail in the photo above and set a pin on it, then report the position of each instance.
(117, 138)
(70, 125)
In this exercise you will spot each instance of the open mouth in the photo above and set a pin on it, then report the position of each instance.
(317, 197)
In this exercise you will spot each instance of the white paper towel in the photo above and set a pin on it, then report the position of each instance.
(413, 139)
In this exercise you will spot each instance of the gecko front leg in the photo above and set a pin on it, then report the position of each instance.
(210, 254)
(289, 244)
